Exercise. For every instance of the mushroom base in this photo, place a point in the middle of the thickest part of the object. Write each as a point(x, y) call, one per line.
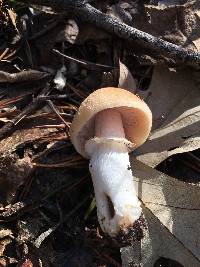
point(133, 233)
point(118, 207)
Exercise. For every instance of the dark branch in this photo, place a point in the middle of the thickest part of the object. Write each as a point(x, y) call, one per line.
point(90, 14)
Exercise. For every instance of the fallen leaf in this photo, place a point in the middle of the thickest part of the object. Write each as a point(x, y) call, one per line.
point(126, 80)
point(172, 212)
point(174, 99)
point(69, 33)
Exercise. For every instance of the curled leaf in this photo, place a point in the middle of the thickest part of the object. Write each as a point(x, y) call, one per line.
point(126, 80)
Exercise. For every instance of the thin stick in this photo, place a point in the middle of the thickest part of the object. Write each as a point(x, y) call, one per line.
point(50, 103)
point(87, 64)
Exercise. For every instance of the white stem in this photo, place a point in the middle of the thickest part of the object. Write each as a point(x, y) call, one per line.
point(117, 204)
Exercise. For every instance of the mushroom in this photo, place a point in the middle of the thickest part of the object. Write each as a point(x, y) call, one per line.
point(110, 123)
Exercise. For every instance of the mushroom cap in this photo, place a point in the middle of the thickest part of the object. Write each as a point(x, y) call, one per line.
point(136, 116)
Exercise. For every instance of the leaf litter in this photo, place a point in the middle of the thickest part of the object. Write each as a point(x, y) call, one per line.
point(46, 193)
point(171, 208)
point(176, 113)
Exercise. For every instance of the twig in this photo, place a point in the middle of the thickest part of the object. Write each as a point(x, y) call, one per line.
point(83, 10)
point(58, 126)
point(68, 164)
point(52, 97)
point(51, 105)
point(23, 76)
point(44, 235)
point(87, 64)
point(4, 53)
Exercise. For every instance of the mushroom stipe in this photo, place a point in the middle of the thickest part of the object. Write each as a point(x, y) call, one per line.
point(110, 123)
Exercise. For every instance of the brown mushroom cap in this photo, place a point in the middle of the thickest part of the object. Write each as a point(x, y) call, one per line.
point(136, 116)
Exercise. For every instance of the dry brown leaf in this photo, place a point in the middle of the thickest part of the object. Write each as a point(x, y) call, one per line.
point(174, 98)
point(171, 208)
point(69, 33)
point(126, 80)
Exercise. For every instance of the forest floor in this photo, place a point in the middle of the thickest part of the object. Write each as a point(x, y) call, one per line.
point(50, 61)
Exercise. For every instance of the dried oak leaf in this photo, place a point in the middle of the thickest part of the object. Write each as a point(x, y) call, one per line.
point(174, 98)
point(172, 212)
point(126, 80)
